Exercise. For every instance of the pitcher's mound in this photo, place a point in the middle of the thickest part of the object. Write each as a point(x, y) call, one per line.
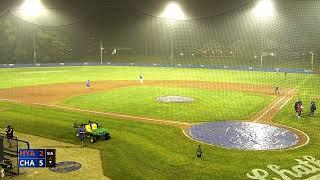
point(175, 99)
point(244, 135)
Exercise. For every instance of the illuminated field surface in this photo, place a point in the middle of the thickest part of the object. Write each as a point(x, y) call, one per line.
point(160, 150)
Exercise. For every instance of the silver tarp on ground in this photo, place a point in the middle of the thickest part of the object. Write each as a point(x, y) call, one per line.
point(244, 135)
point(175, 99)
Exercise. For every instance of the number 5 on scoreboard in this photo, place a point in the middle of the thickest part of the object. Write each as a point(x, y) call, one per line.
point(41, 164)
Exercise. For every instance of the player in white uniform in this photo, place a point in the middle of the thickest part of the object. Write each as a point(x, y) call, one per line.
point(141, 79)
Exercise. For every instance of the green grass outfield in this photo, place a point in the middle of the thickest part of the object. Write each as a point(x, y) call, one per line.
point(146, 151)
point(209, 105)
point(33, 76)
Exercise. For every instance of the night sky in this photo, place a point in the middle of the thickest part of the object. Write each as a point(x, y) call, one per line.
point(79, 8)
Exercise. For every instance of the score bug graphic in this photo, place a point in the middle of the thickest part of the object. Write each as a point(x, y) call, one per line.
point(37, 158)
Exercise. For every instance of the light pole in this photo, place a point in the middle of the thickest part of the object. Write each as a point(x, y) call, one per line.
point(101, 52)
point(312, 55)
point(146, 38)
point(32, 9)
point(34, 48)
point(172, 13)
point(171, 41)
point(264, 11)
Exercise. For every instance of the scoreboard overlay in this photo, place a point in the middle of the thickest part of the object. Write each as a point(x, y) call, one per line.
point(37, 158)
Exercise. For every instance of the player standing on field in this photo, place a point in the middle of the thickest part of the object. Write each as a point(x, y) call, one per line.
point(82, 134)
point(296, 106)
point(313, 108)
point(299, 109)
point(88, 84)
point(9, 131)
point(141, 79)
point(276, 91)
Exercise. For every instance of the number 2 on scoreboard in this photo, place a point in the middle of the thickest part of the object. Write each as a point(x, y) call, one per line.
point(41, 153)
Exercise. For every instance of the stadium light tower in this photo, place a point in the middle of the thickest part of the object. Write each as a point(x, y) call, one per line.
point(264, 11)
point(32, 9)
point(172, 13)
point(312, 62)
point(101, 52)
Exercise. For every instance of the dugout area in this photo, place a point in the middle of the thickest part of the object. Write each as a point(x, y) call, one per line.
point(9, 154)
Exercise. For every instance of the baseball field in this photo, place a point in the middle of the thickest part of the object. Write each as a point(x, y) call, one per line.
point(148, 138)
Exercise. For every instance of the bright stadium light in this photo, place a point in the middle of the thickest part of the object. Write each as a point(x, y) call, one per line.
point(32, 8)
point(264, 9)
point(173, 12)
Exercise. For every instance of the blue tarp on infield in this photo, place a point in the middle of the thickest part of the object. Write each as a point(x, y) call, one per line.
point(244, 135)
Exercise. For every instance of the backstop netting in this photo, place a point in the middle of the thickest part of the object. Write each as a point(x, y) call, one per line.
point(200, 72)
point(279, 34)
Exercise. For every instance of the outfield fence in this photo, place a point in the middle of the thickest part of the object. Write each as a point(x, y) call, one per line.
point(240, 68)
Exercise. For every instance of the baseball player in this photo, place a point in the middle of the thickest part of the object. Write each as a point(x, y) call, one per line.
point(88, 84)
point(296, 106)
point(299, 109)
point(141, 79)
point(9, 131)
point(313, 108)
point(276, 91)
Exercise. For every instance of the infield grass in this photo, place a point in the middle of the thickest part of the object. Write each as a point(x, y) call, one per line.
point(209, 105)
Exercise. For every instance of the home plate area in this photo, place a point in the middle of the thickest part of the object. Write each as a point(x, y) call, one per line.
point(244, 135)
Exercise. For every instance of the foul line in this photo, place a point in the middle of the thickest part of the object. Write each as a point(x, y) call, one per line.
point(160, 121)
point(116, 115)
point(10, 100)
point(287, 101)
point(275, 105)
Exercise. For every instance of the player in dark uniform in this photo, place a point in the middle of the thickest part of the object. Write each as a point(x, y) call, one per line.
point(9, 131)
point(88, 84)
point(313, 108)
point(82, 134)
point(276, 91)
